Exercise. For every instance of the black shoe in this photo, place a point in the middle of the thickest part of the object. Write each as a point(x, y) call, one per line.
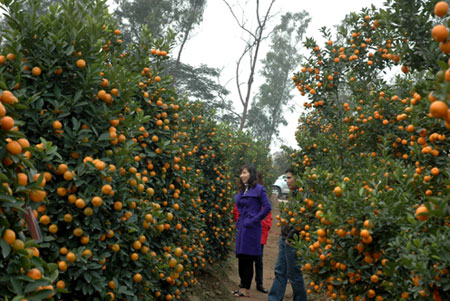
point(262, 289)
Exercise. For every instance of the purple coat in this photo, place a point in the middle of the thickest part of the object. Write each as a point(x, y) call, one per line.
point(253, 208)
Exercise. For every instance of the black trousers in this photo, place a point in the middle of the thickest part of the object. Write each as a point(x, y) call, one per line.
point(245, 266)
point(259, 268)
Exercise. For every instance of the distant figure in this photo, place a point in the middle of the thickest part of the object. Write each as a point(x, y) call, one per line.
point(253, 205)
point(265, 224)
point(287, 266)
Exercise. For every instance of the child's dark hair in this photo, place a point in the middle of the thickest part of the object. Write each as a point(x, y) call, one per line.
point(252, 181)
point(290, 170)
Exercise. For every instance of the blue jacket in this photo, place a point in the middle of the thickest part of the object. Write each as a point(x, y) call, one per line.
point(253, 207)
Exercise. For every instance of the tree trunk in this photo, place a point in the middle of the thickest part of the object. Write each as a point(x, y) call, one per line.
point(185, 38)
point(253, 43)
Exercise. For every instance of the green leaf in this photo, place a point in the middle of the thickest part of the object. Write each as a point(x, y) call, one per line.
point(77, 96)
point(436, 257)
point(3, 85)
point(104, 137)
point(6, 249)
point(69, 50)
point(54, 275)
point(7, 198)
point(16, 285)
point(43, 294)
point(411, 219)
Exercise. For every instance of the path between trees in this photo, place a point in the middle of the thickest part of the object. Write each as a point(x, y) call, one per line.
point(218, 285)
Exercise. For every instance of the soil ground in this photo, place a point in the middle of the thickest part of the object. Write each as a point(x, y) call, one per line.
point(219, 282)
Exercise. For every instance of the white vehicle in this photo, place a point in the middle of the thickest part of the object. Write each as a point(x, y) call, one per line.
point(280, 187)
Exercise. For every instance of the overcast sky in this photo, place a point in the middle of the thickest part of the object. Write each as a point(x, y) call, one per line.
point(217, 42)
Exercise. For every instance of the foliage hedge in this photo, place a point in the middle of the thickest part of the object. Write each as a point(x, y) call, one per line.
point(373, 214)
point(134, 197)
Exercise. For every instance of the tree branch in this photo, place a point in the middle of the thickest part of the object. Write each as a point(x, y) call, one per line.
point(241, 25)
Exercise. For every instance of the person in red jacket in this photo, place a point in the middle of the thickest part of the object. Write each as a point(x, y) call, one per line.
point(266, 224)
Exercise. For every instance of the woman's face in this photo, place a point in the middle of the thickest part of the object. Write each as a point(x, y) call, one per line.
point(245, 175)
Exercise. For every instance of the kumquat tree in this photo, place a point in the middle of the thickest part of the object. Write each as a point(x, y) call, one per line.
point(124, 182)
point(373, 214)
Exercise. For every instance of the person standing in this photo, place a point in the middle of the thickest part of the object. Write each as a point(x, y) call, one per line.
point(287, 266)
point(266, 224)
point(253, 206)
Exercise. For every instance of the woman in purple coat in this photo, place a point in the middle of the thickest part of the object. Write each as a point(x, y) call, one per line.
point(253, 205)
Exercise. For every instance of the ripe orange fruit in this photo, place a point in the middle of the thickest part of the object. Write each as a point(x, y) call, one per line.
point(7, 123)
point(365, 233)
point(115, 248)
point(137, 245)
point(24, 143)
point(104, 82)
point(321, 232)
point(8, 98)
point(81, 63)
point(62, 265)
point(422, 213)
point(9, 236)
point(338, 191)
point(435, 171)
point(178, 252)
point(57, 125)
point(37, 195)
point(172, 262)
point(34, 274)
point(68, 175)
point(2, 110)
point(11, 56)
point(137, 278)
point(445, 47)
point(35, 251)
point(106, 189)
point(14, 147)
point(118, 206)
point(438, 109)
point(405, 69)
point(71, 257)
point(36, 71)
point(441, 8)
point(97, 201)
point(60, 284)
point(80, 203)
point(439, 33)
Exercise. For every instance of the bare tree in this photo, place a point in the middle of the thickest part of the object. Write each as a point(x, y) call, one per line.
point(252, 47)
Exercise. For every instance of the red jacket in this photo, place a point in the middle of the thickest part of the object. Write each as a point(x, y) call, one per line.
point(265, 224)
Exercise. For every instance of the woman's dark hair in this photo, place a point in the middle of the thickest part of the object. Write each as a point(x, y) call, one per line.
point(252, 180)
